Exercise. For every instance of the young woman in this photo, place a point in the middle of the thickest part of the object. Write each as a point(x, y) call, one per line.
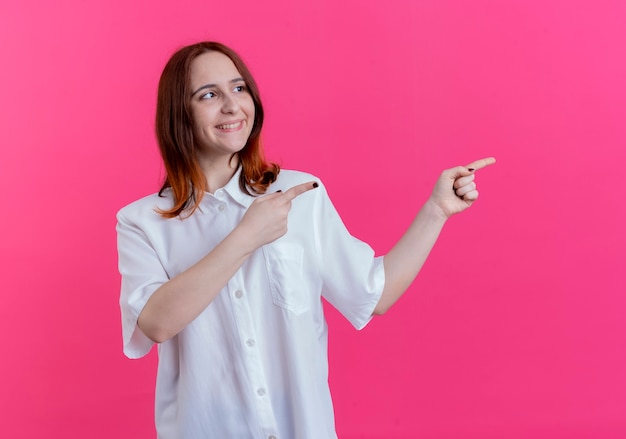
point(226, 266)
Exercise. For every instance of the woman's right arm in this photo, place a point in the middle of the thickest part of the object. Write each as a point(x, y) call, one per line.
point(180, 300)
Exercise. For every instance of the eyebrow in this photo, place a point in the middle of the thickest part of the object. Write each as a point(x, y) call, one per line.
point(205, 86)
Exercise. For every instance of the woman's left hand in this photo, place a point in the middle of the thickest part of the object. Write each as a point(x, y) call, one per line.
point(455, 189)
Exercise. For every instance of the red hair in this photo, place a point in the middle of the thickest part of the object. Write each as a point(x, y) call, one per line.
point(174, 130)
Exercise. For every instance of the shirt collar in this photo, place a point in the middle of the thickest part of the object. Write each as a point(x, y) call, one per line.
point(235, 192)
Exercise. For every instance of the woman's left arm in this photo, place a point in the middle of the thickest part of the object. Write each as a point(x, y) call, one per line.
point(454, 192)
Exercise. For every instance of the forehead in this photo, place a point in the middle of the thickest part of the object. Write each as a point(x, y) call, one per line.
point(212, 68)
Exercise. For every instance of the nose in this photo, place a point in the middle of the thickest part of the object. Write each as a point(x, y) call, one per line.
point(230, 104)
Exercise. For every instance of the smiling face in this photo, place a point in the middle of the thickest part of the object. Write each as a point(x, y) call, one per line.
point(222, 109)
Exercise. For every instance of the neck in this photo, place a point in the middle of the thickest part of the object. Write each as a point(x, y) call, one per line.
point(217, 174)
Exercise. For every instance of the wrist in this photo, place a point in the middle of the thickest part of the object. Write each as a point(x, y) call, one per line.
point(432, 210)
point(243, 240)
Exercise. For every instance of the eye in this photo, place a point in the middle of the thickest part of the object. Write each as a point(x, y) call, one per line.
point(240, 88)
point(208, 95)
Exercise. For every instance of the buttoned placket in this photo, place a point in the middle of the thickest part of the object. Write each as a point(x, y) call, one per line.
point(251, 355)
point(220, 195)
point(248, 339)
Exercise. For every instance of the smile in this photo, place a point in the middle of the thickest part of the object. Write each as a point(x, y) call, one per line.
point(230, 126)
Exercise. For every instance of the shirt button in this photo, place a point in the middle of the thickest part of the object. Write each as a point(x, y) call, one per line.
point(221, 207)
point(250, 342)
point(238, 294)
point(272, 437)
point(219, 193)
point(260, 391)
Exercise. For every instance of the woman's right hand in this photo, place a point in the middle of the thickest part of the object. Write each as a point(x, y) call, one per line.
point(266, 218)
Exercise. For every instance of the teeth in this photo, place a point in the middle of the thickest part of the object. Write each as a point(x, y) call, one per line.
point(229, 126)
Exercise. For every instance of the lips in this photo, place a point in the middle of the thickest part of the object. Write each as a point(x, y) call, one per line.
point(230, 126)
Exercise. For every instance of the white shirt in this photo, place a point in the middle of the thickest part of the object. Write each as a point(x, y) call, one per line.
point(254, 363)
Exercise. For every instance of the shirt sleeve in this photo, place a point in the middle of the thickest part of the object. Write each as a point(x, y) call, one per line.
point(353, 278)
point(142, 273)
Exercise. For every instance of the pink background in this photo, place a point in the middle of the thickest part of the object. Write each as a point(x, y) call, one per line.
point(516, 327)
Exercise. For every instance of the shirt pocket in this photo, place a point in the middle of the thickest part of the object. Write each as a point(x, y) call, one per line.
point(284, 262)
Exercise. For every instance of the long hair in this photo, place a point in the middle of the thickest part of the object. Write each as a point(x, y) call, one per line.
point(174, 131)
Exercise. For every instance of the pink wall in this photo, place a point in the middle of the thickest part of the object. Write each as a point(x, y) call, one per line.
point(514, 330)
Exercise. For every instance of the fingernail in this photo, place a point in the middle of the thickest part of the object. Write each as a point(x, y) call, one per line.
point(315, 184)
point(471, 169)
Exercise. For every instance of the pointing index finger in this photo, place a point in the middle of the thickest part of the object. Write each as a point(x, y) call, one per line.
point(299, 189)
point(482, 163)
